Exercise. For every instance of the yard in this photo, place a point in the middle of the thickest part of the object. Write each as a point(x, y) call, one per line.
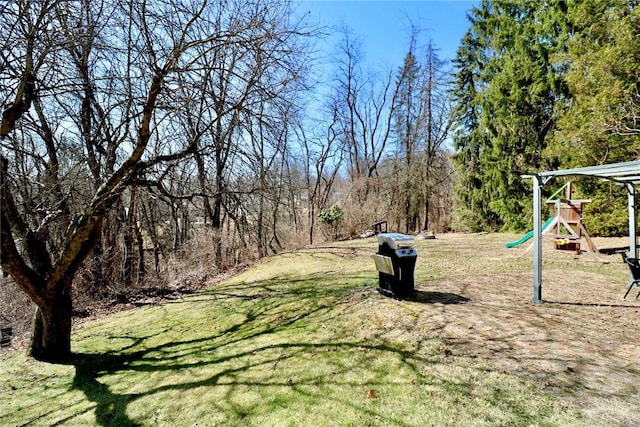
point(304, 338)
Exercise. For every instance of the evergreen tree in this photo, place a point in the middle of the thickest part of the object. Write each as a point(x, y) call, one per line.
point(469, 140)
point(602, 122)
point(507, 86)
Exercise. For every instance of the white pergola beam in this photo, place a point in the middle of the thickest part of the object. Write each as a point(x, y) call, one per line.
point(611, 170)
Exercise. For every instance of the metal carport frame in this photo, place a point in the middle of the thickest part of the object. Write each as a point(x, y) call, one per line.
point(627, 174)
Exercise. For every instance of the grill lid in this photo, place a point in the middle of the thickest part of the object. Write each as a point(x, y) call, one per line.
point(396, 240)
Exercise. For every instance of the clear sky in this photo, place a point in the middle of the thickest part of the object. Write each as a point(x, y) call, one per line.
point(384, 26)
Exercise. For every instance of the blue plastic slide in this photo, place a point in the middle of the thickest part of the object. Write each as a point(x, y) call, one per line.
point(528, 235)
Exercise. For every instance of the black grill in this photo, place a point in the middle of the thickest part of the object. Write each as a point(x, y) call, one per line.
point(395, 262)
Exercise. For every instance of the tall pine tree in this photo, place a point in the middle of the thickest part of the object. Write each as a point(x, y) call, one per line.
point(469, 139)
point(407, 131)
point(507, 87)
point(602, 122)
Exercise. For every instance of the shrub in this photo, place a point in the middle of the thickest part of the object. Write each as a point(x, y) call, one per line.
point(607, 216)
point(332, 218)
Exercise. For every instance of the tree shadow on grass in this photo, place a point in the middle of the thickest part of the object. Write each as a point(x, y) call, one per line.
point(267, 307)
point(111, 407)
point(592, 304)
point(280, 342)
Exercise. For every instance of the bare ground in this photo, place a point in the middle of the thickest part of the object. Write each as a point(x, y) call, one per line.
point(582, 343)
point(584, 348)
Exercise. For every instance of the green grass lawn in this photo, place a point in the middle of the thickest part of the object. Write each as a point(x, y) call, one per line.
point(301, 339)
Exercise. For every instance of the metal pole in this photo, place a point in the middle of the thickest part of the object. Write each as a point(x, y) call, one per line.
point(537, 241)
point(633, 251)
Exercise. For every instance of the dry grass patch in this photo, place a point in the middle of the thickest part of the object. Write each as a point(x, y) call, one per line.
point(581, 344)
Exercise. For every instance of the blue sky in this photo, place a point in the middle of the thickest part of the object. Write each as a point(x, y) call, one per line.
point(384, 26)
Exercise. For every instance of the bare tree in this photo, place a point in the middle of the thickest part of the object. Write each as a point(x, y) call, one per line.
point(88, 104)
point(322, 157)
point(366, 102)
point(437, 126)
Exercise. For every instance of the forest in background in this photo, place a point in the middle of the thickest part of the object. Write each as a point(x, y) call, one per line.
point(542, 86)
point(154, 143)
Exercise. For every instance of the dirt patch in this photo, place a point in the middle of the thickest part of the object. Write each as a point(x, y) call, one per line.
point(581, 343)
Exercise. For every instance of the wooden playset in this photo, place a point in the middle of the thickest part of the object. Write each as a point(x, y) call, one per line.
point(566, 227)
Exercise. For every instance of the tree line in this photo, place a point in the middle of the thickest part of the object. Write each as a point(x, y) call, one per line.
point(143, 135)
point(150, 141)
point(541, 86)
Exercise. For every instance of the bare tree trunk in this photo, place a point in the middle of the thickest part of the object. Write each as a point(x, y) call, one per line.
point(312, 220)
point(135, 229)
point(216, 225)
point(128, 255)
point(133, 257)
point(152, 228)
point(426, 214)
point(51, 338)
